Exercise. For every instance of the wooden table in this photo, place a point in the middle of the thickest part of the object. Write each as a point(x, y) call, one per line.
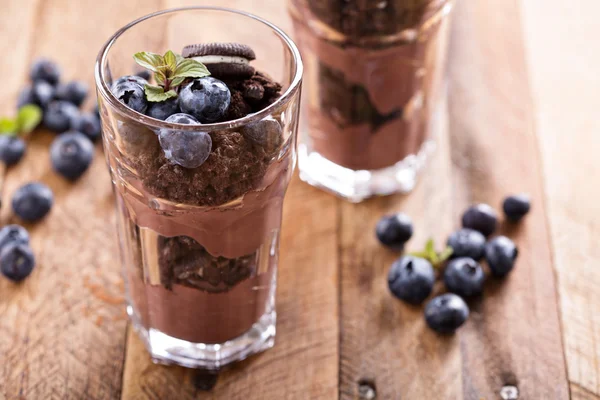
point(524, 93)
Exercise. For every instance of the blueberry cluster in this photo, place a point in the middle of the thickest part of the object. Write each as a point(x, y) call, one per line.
point(411, 278)
point(16, 258)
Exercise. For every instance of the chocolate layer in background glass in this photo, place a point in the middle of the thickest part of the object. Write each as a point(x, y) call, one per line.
point(373, 76)
point(206, 275)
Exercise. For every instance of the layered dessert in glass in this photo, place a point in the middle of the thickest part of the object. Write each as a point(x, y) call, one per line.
point(374, 91)
point(200, 155)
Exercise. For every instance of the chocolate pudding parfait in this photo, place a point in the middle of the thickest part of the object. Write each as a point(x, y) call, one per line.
point(374, 91)
point(201, 146)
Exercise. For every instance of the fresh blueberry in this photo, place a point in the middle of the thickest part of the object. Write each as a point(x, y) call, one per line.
point(16, 261)
point(207, 99)
point(45, 70)
point(131, 94)
point(60, 115)
point(31, 202)
point(411, 279)
point(13, 234)
point(464, 276)
point(446, 313)
point(163, 109)
point(266, 133)
point(74, 92)
point(144, 74)
point(515, 207)
point(467, 243)
point(12, 149)
point(39, 93)
point(71, 154)
point(129, 79)
point(480, 217)
point(394, 230)
point(185, 148)
point(88, 124)
point(501, 254)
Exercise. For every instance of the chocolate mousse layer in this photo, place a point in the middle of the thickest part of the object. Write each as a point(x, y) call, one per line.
point(374, 71)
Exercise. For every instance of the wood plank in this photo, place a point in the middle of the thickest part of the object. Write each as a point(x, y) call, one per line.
point(63, 329)
point(581, 393)
point(565, 87)
point(513, 336)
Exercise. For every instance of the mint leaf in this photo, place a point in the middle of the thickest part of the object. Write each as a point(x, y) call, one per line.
point(28, 118)
point(170, 60)
point(445, 254)
point(160, 78)
point(8, 126)
point(430, 250)
point(189, 68)
point(178, 81)
point(149, 60)
point(157, 93)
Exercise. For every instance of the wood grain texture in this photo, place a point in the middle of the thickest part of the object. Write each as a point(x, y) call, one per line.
point(63, 329)
point(581, 393)
point(566, 89)
point(513, 336)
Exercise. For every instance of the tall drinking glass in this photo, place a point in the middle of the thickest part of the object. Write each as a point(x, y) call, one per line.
point(200, 246)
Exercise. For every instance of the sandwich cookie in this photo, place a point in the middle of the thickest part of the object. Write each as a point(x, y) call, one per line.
point(223, 60)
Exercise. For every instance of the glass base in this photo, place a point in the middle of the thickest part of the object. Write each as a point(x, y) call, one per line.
point(356, 186)
point(168, 350)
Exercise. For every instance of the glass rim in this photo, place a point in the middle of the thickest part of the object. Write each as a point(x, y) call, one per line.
point(104, 89)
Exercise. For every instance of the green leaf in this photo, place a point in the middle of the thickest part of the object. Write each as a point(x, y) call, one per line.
point(445, 254)
point(178, 81)
point(170, 60)
point(28, 118)
point(420, 254)
point(157, 93)
point(149, 60)
point(160, 78)
point(189, 68)
point(430, 250)
point(8, 126)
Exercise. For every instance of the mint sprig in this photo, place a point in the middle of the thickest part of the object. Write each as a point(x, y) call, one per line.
point(170, 71)
point(27, 119)
point(430, 254)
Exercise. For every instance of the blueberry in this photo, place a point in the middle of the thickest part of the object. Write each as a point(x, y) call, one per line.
point(394, 230)
point(59, 116)
point(39, 93)
point(13, 234)
point(266, 133)
point(207, 99)
point(464, 276)
point(446, 313)
point(45, 70)
point(185, 148)
point(144, 74)
point(88, 124)
point(129, 79)
point(411, 279)
point(97, 110)
point(16, 261)
point(480, 217)
point(12, 149)
point(515, 207)
point(163, 109)
point(467, 243)
point(501, 254)
point(131, 94)
point(31, 202)
point(71, 154)
point(74, 92)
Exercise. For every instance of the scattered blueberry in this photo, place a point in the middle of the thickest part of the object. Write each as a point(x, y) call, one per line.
point(59, 115)
point(144, 74)
point(446, 313)
point(464, 276)
point(45, 70)
point(31, 202)
point(501, 254)
point(185, 148)
point(394, 230)
point(163, 109)
point(467, 243)
point(71, 154)
point(515, 207)
point(411, 279)
point(13, 234)
point(39, 93)
point(207, 99)
point(74, 92)
point(131, 93)
point(480, 217)
point(97, 110)
point(16, 261)
point(12, 149)
point(88, 124)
